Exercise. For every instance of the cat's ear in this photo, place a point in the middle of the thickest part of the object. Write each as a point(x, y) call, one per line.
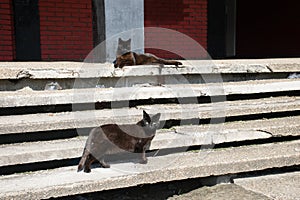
point(146, 117)
point(129, 40)
point(155, 118)
point(120, 40)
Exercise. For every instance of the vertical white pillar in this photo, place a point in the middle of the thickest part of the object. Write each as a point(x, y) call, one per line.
point(124, 19)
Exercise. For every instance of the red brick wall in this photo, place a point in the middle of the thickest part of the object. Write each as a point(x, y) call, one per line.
point(66, 29)
point(6, 31)
point(186, 16)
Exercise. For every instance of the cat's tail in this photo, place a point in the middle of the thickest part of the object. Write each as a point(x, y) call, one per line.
point(171, 62)
point(82, 160)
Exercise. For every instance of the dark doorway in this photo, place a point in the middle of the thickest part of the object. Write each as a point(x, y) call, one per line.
point(221, 28)
point(268, 29)
point(99, 31)
point(27, 30)
point(98, 21)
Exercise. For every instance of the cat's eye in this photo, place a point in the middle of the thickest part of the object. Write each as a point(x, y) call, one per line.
point(153, 123)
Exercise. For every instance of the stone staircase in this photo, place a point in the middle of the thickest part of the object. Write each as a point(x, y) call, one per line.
point(219, 118)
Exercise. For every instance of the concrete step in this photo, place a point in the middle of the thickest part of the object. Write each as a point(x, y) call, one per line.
point(181, 136)
point(170, 166)
point(36, 75)
point(71, 70)
point(220, 192)
point(92, 118)
point(92, 95)
point(276, 186)
point(66, 181)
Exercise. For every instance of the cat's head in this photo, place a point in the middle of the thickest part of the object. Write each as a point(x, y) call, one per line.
point(151, 122)
point(123, 46)
point(124, 59)
point(126, 44)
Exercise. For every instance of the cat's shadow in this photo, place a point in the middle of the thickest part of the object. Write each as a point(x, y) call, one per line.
point(134, 158)
point(122, 158)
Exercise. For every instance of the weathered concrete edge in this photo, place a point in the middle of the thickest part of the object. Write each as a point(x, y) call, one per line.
point(192, 168)
point(86, 119)
point(60, 70)
point(73, 147)
point(275, 186)
point(224, 190)
point(91, 95)
point(183, 136)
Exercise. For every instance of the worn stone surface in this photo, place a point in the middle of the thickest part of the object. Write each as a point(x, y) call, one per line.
point(92, 118)
point(76, 96)
point(181, 136)
point(277, 186)
point(221, 192)
point(178, 166)
point(162, 166)
point(44, 70)
point(71, 148)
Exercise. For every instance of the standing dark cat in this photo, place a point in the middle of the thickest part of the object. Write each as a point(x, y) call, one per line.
point(123, 46)
point(113, 138)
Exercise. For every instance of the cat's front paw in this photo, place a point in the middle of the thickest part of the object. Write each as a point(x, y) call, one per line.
point(87, 170)
point(178, 63)
point(144, 161)
point(106, 165)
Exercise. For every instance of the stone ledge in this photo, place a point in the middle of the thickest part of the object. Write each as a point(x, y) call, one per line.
point(277, 186)
point(182, 136)
point(90, 118)
point(67, 70)
point(92, 95)
point(66, 181)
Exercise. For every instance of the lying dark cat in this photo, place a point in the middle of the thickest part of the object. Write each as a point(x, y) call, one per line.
point(132, 58)
point(113, 138)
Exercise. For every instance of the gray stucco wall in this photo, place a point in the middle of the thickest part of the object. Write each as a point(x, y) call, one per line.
point(124, 19)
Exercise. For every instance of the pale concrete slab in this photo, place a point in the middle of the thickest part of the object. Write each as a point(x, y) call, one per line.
point(31, 152)
point(91, 95)
point(13, 154)
point(278, 186)
point(179, 136)
point(46, 70)
point(221, 192)
point(66, 181)
point(251, 65)
point(93, 118)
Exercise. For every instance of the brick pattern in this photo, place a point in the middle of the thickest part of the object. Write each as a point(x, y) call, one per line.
point(66, 29)
point(185, 16)
point(7, 51)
